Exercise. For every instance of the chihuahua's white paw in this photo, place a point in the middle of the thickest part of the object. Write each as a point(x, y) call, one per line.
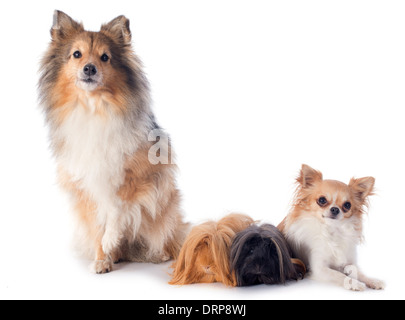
point(354, 285)
point(102, 266)
point(375, 284)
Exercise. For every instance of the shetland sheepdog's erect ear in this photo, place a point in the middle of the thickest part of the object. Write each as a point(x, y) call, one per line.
point(308, 177)
point(64, 26)
point(119, 30)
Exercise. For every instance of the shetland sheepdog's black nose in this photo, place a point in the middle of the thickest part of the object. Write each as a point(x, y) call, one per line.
point(90, 70)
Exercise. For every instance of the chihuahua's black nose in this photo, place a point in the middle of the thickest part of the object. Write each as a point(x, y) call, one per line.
point(90, 70)
point(335, 211)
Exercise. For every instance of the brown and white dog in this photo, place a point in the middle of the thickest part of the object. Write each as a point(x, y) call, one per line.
point(97, 105)
point(325, 226)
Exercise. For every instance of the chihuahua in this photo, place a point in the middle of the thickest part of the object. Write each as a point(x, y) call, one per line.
point(325, 226)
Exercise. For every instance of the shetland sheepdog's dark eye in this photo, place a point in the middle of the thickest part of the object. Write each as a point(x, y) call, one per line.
point(105, 58)
point(347, 206)
point(322, 201)
point(77, 54)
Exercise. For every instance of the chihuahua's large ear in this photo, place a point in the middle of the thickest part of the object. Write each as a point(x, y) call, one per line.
point(362, 187)
point(119, 30)
point(308, 176)
point(63, 26)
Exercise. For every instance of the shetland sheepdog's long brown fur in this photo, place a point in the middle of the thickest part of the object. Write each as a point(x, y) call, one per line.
point(97, 104)
point(204, 257)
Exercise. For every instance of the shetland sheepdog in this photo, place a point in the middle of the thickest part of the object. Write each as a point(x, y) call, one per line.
point(97, 105)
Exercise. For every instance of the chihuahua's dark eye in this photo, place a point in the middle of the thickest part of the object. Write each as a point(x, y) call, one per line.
point(105, 58)
point(77, 54)
point(347, 206)
point(322, 201)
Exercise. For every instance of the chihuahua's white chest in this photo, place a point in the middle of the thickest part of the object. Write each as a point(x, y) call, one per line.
point(341, 240)
point(329, 242)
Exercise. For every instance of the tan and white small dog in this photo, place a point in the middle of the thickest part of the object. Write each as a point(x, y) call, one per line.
point(324, 228)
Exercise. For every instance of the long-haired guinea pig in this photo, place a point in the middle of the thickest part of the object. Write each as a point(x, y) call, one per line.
point(261, 255)
point(204, 257)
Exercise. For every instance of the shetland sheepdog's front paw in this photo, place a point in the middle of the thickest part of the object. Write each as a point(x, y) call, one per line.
point(102, 266)
point(110, 241)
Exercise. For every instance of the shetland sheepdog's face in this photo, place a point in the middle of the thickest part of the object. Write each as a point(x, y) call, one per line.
point(330, 199)
point(89, 63)
point(80, 63)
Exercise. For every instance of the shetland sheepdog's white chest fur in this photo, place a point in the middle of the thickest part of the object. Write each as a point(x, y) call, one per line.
point(329, 242)
point(93, 150)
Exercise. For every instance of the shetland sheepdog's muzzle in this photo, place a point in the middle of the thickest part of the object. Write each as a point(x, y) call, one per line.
point(89, 78)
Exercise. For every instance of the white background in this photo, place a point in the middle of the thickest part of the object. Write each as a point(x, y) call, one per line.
point(248, 90)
